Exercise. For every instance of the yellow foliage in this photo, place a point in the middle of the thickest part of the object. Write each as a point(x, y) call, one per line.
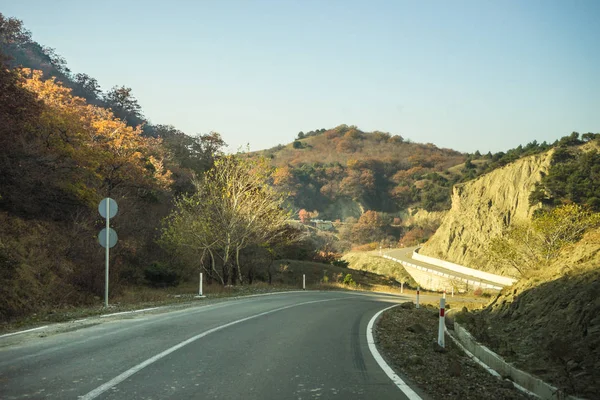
point(107, 153)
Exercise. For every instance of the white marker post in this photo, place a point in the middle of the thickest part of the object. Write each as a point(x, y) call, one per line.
point(441, 341)
point(452, 290)
point(303, 282)
point(200, 289)
point(401, 287)
point(418, 291)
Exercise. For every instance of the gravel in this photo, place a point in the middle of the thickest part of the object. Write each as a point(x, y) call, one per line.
point(407, 338)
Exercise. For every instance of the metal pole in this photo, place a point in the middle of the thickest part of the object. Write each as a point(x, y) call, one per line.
point(107, 252)
point(200, 290)
point(441, 341)
point(303, 282)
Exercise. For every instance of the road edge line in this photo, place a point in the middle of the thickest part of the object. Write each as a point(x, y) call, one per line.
point(25, 331)
point(403, 386)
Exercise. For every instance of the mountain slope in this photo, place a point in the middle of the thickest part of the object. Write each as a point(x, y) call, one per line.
point(484, 208)
point(344, 171)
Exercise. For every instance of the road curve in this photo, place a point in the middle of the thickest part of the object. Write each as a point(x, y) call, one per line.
point(309, 345)
point(405, 255)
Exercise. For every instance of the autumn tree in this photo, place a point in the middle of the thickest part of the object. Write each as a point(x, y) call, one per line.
point(304, 216)
point(369, 228)
point(232, 209)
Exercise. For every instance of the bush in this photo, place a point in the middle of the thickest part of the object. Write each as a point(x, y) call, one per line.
point(160, 275)
point(348, 280)
point(340, 263)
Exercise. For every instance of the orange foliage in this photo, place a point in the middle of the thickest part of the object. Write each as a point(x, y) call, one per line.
point(304, 216)
point(107, 151)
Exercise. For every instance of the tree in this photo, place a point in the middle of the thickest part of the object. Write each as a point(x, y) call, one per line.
point(528, 247)
point(304, 216)
point(124, 105)
point(86, 86)
point(369, 228)
point(233, 208)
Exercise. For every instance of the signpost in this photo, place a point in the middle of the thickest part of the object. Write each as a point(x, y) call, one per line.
point(108, 237)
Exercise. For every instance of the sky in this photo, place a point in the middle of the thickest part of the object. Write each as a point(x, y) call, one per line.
point(468, 75)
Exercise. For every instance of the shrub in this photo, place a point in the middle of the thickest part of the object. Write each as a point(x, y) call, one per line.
point(160, 275)
point(348, 280)
point(340, 263)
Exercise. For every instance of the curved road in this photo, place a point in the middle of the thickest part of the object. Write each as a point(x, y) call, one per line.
point(405, 255)
point(309, 345)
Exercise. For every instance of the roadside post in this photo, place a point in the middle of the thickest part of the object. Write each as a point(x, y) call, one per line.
point(441, 324)
point(401, 287)
point(418, 291)
point(107, 237)
point(303, 282)
point(452, 290)
point(200, 294)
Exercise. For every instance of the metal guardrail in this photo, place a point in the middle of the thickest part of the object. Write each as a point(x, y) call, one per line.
point(449, 276)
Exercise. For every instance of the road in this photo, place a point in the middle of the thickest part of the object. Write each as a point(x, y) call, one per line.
point(308, 345)
point(406, 255)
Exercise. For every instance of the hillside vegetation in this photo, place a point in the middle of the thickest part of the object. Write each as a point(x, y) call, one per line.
point(65, 144)
point(342, 172)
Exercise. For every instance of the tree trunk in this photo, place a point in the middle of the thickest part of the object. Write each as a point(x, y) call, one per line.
point(237, 263)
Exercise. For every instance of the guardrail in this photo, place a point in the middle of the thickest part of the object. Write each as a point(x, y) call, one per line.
point(473, 282)
point(498, 279)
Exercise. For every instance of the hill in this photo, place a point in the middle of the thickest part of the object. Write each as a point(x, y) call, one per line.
point(342, 172)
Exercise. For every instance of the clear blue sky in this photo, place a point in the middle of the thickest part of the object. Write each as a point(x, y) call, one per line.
point(470, 75)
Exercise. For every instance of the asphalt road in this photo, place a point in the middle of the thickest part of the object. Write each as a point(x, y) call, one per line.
point(406, 255)
point(309, 345)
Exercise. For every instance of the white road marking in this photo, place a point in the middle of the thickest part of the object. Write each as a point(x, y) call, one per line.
point(408, 392)
point(28, 330)
point(128, 312)
point(118, 379)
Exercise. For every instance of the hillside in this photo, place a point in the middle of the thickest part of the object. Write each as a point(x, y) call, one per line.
point(484, 208)
point(535, 219)
point(342, 172)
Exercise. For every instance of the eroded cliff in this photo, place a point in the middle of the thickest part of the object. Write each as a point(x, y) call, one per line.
point(482, 209)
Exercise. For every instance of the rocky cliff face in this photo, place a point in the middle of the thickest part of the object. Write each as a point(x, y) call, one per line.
point(482, 209)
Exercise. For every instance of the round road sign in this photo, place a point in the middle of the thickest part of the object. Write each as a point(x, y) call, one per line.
point(112, 238)
point(112, 210)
